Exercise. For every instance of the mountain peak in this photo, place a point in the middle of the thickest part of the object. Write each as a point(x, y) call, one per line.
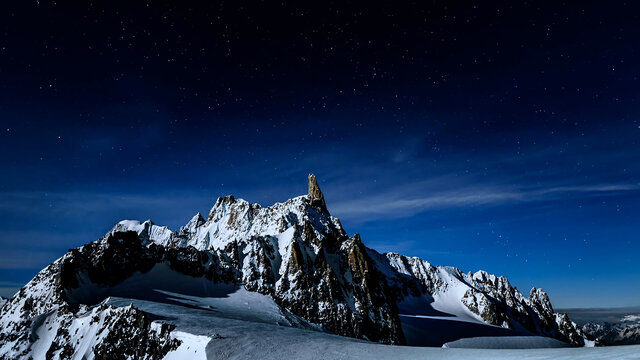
point(315, 194)
point(193, 224)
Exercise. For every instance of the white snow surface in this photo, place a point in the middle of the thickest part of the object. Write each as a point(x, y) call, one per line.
point(242, 338)
point(231, 219)
point(449, 301)
point(631, 318)
point(193, 347)
point(506, 342)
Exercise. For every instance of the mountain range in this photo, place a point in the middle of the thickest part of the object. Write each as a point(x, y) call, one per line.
point(291, 264)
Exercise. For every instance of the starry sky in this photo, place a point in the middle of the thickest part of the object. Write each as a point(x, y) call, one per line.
point(501, 136)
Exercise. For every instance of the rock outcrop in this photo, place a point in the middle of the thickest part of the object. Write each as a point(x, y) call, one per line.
point(624, 332)
point(42, 317)
point(315, 194)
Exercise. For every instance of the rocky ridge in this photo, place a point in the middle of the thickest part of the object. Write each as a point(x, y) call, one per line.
point(624, 332)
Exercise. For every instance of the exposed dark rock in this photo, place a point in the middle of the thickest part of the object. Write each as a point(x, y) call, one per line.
point(315, 194)
point(625, 332)
point(130, 337)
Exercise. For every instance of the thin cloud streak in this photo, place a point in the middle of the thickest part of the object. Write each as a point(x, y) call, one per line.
point(20, 259)
point(400, 203)
point(396, 203)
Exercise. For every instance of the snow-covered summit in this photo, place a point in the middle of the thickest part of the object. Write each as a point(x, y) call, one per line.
point(231, 219)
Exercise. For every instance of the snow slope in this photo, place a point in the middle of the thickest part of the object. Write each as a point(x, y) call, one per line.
point(236, 338)
point(506, 342)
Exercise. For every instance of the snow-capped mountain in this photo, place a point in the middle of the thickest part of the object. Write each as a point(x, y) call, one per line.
point(624, 332)
point(293, 256)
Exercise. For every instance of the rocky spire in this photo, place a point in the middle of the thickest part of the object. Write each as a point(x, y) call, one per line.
point(315, 194)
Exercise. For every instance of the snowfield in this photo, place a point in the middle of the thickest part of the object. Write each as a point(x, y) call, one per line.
point(246, 325)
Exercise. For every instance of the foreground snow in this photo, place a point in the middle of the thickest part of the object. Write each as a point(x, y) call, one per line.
point(506, 342)
point(192, 347)
point(244, 325)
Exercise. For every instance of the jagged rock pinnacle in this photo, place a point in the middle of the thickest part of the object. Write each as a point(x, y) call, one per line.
point(315, 194)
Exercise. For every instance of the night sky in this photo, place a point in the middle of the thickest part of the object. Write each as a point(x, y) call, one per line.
point(487, 135)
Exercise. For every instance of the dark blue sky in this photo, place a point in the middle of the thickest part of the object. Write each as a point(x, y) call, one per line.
point(497, 136)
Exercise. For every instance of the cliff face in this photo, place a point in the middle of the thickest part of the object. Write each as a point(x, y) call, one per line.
point(294, 252)
point(315, 194)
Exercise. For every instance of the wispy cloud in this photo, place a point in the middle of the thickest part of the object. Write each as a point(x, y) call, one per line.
point(406, 200)
point(27, 259)
point(601, 188)
point(359, 200)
